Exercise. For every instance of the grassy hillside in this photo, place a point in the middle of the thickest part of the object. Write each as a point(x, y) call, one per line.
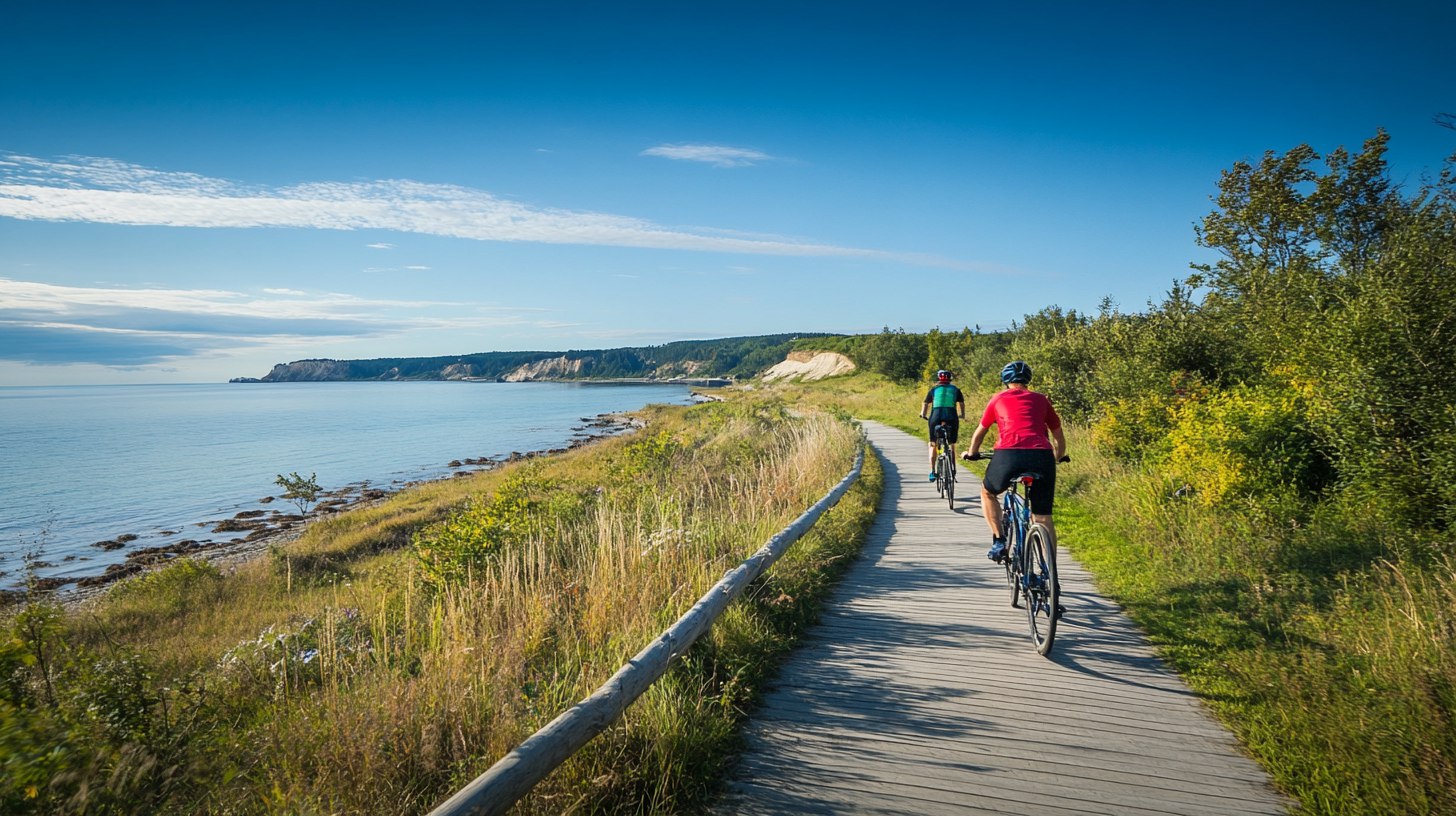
point(393, 653)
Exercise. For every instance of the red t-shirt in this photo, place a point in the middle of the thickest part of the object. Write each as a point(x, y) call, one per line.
point(1024, 418)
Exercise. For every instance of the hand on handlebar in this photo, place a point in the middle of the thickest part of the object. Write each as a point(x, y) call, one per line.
point(1065, 459)
point(972, 457)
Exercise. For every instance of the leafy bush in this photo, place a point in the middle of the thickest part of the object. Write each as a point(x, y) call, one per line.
point(449, 550)
point(1131, 428)
point(171, 588)
point(1245, 443)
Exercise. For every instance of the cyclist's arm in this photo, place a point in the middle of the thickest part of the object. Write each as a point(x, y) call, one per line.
point(925, 406)
point(1059, 443)
point(976, 439)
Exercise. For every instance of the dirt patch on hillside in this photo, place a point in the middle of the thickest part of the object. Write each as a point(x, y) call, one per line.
point(810, 365)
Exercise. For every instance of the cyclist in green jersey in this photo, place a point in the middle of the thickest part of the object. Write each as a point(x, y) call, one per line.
point(943, 403)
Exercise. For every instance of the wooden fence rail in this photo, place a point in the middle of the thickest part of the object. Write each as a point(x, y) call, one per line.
point(517, 772)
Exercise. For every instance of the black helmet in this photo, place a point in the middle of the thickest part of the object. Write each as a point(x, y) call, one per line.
point(1016, 372)
point(942, 375)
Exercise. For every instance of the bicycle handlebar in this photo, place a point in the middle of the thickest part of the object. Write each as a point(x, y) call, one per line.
point(978, 456)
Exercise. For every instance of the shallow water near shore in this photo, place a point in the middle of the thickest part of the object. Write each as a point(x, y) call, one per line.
point(164, 463)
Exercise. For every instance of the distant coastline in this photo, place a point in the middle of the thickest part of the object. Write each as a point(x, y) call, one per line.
point(690, 382)
point(702, 363)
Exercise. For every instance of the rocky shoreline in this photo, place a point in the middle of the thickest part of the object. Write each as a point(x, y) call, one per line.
point(261, 529)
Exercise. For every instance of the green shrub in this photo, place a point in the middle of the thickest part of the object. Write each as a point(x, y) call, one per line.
point(1246, 442)
point(171, 588)
point(447, 551)
point(1133, 428)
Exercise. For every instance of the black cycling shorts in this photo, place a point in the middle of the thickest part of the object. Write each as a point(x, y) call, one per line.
point(948, 416)
point(1008, 463)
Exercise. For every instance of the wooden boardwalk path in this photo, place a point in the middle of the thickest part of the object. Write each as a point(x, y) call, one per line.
point(920, 691)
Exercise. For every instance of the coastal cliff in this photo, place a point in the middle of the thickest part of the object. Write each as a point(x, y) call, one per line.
point(308, 371)
point(555, 368)
point(809, 366)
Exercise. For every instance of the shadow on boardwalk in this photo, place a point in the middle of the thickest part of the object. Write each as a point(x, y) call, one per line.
point(919, 692)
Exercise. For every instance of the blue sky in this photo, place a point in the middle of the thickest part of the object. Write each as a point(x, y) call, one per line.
point(191, 192)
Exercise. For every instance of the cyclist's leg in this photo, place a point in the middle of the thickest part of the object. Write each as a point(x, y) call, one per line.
point(930, 427)
point(997, 480)
point(991, 509)
point(1043, 492)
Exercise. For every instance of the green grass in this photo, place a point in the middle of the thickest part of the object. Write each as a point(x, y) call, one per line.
point(1342, 685)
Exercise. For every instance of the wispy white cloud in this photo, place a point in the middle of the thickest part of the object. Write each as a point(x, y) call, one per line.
point(33, 297)
point(716, 155)
point(417, 268)
point(42, 323)
point(113, 192)
point(380, 245)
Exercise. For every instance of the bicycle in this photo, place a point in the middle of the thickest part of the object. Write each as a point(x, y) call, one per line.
point(945, 464)
point(1030, 563)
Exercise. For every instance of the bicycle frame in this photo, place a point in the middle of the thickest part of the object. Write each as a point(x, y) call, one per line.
point(942, 438)
point(1015, 520)
point(945, 464)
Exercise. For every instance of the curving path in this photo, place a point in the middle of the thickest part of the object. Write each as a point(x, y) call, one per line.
point(920, 693)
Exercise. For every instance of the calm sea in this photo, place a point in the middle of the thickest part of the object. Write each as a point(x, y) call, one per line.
point(83, 464)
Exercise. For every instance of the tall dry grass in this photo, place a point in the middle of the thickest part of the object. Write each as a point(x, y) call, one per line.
point(346, 675)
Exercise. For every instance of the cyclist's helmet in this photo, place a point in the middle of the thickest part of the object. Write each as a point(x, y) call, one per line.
point(1016, 372)
point(942, 376)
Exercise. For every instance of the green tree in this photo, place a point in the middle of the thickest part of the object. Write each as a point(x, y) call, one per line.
point(302, 492)
point(1344, 290)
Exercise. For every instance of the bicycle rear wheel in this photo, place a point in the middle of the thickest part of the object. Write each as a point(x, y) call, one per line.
point(939, 476)
point(1012, 532)
point(1043, 594)
point(948, 471)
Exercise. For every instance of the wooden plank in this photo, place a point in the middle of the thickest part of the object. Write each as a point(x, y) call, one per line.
point(920, 693)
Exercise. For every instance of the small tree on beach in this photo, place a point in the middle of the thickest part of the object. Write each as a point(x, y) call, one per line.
point(302, 492)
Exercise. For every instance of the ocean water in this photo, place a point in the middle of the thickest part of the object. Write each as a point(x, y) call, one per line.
point(82, 464)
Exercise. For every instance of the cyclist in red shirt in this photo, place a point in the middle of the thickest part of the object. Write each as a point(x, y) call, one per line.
point(1030, 441)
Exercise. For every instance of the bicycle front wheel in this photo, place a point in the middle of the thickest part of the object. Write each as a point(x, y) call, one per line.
point(1043, 594)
